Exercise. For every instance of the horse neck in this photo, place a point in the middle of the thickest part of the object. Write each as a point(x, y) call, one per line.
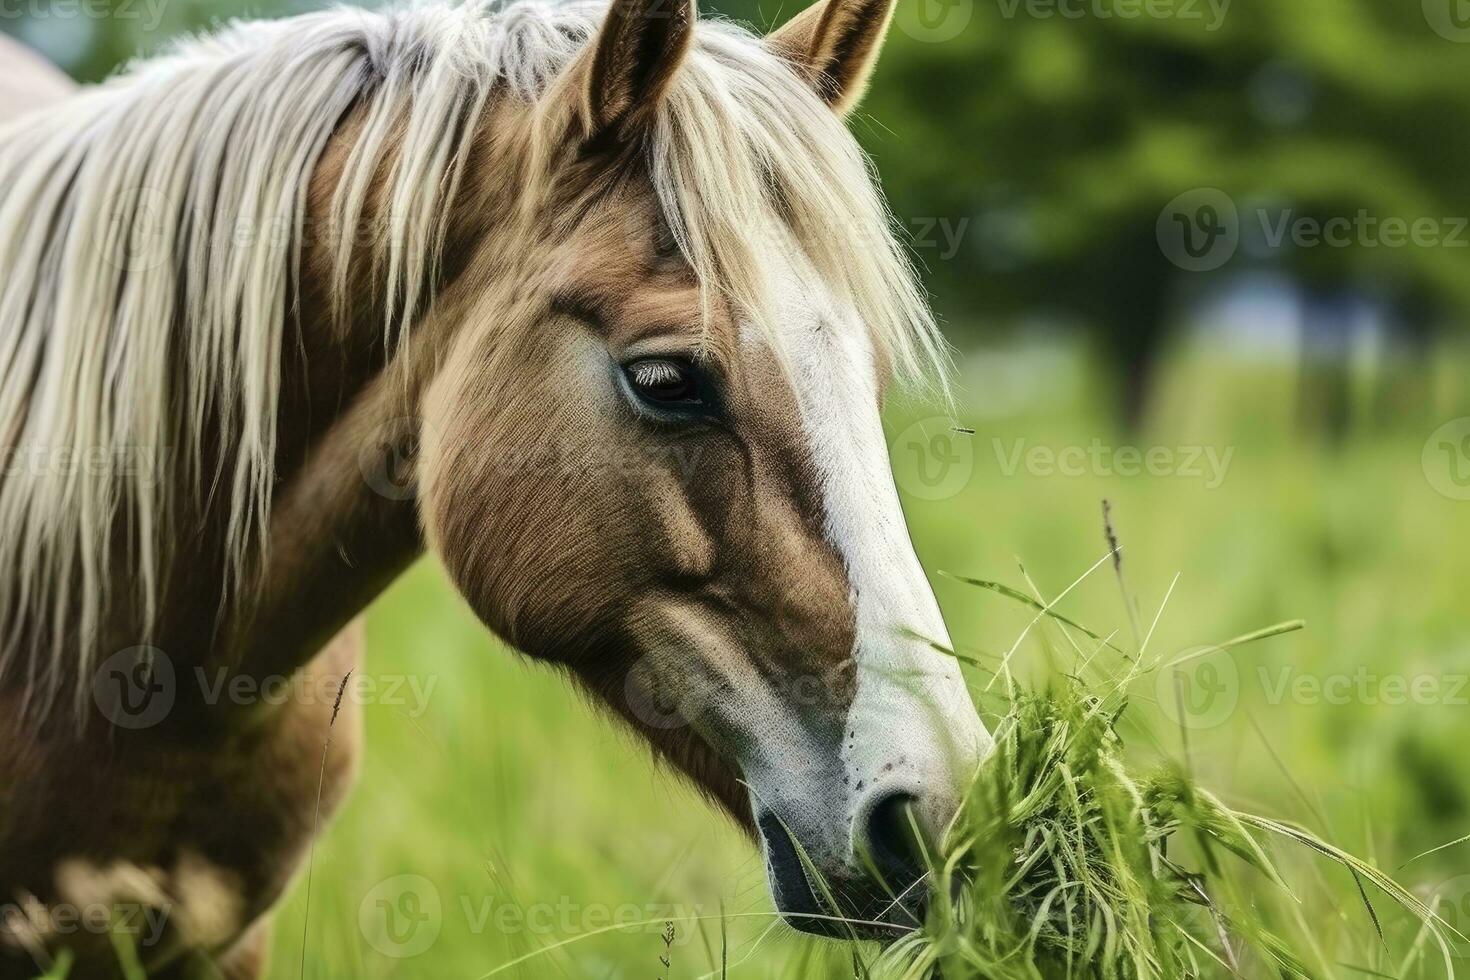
point(337, 534)
point(344, 523)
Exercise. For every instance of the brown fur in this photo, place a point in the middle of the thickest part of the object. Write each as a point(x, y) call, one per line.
point(579, 532)
point(722, 534)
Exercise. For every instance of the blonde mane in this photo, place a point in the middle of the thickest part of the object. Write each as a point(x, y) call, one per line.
point(151, 232)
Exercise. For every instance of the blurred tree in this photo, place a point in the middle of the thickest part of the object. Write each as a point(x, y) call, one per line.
point(1063, 130)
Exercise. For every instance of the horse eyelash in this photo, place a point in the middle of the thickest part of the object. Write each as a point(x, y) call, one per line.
point(650, 373)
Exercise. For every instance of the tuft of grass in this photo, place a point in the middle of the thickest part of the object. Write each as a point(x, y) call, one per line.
point(1064, 861)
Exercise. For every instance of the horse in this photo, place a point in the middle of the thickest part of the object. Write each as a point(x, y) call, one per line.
point(596, 302)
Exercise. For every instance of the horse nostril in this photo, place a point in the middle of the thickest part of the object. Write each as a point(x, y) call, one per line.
point(893, 839)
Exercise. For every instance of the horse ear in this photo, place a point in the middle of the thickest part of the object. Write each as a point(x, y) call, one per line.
point(635, 54)
point(834, 45)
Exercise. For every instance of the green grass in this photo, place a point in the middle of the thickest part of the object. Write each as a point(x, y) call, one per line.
point(1063, 862)
point(535, 821)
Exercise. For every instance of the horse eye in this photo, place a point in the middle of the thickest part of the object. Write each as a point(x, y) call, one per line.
point(665, 382)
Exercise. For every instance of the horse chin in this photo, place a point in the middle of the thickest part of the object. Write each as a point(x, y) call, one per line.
point(879, 919)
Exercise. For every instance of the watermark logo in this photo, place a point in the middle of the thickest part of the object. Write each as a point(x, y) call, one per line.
point(671, 695)
point(135, 688)
point(388, 459)
point(655, 702)
point(934, 21)
point(1199, 230)
point(1446, 459)
point(1451, 901)
point(401, 916)
point(932, 459)
point(1198, 688)
point(133, 233)
point(1450, 19)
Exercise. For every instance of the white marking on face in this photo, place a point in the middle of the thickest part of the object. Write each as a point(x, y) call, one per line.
point(912, 727)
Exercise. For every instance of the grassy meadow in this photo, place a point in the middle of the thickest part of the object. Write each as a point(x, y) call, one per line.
point(499, 817)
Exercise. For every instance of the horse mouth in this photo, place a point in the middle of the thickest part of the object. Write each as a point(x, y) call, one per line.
point(838, 907)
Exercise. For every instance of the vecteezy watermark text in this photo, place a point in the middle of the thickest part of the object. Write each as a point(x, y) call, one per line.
point(1209, 464)
point(1202, 229)
point(1201, 689)
point(149, 13)
point(1211, 13)
point(138, 687)
point(147, 463)
point(30, 917)
point(408, 691)
point(402, 916)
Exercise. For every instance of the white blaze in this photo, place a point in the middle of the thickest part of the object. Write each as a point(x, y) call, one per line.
point(912, 727)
